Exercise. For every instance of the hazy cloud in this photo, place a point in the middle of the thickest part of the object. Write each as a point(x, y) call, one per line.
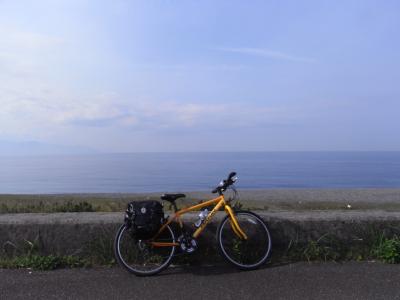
point(30, 111)
point(22, 51)
point(272, 54)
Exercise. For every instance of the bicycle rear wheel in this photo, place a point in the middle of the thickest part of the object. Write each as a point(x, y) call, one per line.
point(140, 257)
point(245, 254)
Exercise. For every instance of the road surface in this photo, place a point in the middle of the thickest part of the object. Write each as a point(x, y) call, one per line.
point(354, 280)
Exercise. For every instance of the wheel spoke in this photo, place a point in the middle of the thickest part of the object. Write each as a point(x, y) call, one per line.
point(245, 253)
point(141, 257)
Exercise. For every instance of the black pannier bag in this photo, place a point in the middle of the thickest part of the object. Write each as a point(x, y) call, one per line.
point(144, 218)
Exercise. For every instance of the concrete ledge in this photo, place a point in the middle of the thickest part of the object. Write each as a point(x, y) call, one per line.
point(77, 233)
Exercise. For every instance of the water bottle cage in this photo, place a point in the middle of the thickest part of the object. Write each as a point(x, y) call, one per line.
point(202, 216)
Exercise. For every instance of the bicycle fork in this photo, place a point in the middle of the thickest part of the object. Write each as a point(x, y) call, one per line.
point(234, 223)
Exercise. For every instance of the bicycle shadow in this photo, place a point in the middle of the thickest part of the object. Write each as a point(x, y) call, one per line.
point(215, 269)
point(202, 270)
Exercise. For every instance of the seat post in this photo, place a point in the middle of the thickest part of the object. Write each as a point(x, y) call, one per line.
point(174, 205)
point(171, 199)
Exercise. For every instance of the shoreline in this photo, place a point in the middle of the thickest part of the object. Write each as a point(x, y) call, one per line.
point(270, 200)
point(252, 194)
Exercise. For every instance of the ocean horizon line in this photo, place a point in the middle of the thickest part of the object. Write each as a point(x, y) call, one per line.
point(196, 152)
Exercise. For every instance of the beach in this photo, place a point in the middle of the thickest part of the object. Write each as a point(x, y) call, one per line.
point(266, 199)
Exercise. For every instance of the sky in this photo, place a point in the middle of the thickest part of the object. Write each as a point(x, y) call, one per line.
point(155, 76)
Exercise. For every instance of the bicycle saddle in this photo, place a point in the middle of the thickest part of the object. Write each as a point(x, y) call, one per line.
point(172, 197)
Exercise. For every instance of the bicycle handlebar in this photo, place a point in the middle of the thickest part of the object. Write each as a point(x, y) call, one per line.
point(225, 183)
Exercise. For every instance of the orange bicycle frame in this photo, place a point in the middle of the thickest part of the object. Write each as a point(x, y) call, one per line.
point(218, 202)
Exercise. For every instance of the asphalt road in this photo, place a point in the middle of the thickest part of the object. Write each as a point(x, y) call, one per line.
point(294, 281)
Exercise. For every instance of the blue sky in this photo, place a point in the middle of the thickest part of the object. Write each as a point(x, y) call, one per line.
point(127, 76)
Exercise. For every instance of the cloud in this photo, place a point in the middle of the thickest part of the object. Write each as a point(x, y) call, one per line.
point(23, 52)
point(39, 100)
point(144, 115)
point(47, 112)
point(27, 40)
point(263, 52)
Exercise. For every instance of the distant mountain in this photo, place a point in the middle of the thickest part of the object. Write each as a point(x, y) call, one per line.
point(24, 148)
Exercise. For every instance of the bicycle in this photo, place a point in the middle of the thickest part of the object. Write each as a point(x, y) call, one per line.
point(243, 237)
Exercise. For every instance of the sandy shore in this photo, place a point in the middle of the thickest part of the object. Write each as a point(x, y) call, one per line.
point(272, 199)
point(316, 195)
point(298, 199)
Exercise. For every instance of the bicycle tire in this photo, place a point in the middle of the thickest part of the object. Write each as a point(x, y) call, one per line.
point(134, 246)
point(232, 247)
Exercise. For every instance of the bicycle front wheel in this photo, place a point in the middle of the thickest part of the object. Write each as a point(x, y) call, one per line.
point(141, 257)
point(247, 253)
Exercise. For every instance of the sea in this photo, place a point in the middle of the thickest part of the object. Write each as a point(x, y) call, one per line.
point(183, 172)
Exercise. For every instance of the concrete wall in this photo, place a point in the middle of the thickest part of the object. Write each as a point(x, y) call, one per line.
point(77, 233)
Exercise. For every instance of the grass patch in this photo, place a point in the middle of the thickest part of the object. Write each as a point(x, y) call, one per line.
point(59, 203)
point(387, 249)
point(76, 203)
point(84, 203)
point(376, 245)
point(42, 263)
point(323, 249)
point(30, 254)
point(117, 203)
point(99, 252)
